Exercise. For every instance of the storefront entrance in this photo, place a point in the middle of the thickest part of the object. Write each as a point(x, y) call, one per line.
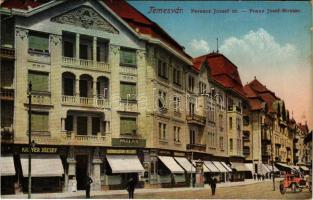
point(81, 171)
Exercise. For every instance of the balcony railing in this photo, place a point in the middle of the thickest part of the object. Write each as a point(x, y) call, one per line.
point(85, 101)
point(196, 147)
point(8, 53)
point(196, 119)
point(128, 70)
point(85, 64)
point(7, 94)
point(128, 106)
point(71, 138)
point(234, 108)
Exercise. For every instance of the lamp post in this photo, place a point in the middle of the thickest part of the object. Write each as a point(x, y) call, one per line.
point(191, 179)
point(29, 138)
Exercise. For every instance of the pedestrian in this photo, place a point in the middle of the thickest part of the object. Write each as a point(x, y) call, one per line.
point(88, 183)
point(254, 176)
point(212, 183)
point(263, 177)
point(259, 177)
point(131, 184)
point(74, 185)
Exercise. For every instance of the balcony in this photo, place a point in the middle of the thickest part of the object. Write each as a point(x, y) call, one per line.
point(85, 64)
point(70, 138)
point(7, 94)
point(85, 101)
point(128, 106)
point(8, 53)
point(196, 119)
point(234, 108)
point(128, 70)
point(196, 147)
point(265, 136)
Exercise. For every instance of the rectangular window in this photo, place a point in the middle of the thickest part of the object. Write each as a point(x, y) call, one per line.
point(176, 134)
point(191, 83)
point(82, 125)
point(69, 123)
point(39, 80)
point(202, 87)
point(231, 144)
point(95, 125)
point(128, 57)
point(102, 51)
point(176, 101)
point(221, 142)
point(162, 99)
point(192, 135)
point(246, 120)
point(191, 108)
point(176, 76)
point(128, 126)
point(38, 42)
point(40, 121)
point(221, 122)
point(162, 131)
point(162, 69)
point(128, 91)
point(230, 123)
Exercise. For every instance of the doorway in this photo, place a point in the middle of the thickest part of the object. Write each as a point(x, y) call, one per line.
point(81, 171)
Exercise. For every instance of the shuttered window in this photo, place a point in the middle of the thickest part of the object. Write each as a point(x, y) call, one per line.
point(38, 42)
point(40, 121)
point(128, 91)
point(128, 126)
point(39, 80)
point(128, 57)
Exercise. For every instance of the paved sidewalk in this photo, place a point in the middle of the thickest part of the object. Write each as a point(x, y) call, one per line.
point(110, 193)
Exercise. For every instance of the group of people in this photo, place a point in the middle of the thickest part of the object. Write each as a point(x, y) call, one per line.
point(259, 177)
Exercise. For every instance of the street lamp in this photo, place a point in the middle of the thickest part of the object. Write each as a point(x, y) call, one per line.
point(29, 138)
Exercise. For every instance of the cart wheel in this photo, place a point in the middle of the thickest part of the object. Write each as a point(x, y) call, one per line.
point(282, 189)
point(293, 187)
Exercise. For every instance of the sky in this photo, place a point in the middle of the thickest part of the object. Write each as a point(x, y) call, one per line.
point(269, 40)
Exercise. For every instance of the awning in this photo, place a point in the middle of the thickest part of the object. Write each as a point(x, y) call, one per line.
point(219, 166)
point(7, 166)
point(270, 168)
point(211, 166)
point(284, 165)
point(240, 167)
point(304, 168)
point(171, 164)
point(43, 166)
point(226, 166)
point(205, 168)
point(250, 167)
point(188, 167)
point(125, 164)
point(265, 169)
point(296, 167)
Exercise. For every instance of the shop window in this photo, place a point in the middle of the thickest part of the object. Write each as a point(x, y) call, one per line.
point(82, 125)
point(128, 91)
point(95, 125)
point(38, 42)
point(128, 126)
point(39, 80)
point(128, 57)
point(40, 122)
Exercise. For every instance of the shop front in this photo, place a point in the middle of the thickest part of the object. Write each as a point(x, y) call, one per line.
point(169, 172)
point(239, 170)
point(8, 175)
point(222, 169)
point(47, 170)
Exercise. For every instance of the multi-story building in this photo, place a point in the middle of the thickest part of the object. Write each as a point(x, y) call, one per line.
point(299, 150)
point(112, 94)
point(307, 157)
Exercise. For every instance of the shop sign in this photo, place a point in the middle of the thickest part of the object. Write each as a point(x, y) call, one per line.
point(167, 153)
point(182, 154)
point(128, 142)
point(121, 151)
point(39, 150)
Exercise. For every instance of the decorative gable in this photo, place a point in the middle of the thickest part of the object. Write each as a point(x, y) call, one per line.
point(87, 18)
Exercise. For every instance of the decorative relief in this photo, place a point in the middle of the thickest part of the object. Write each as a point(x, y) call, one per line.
point(55, 39)
point(115, 49)
point(141, 53)
point(22, 33)
point(85, 17)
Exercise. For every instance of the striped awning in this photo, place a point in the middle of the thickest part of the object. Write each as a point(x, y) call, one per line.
point(211, 166)
point(226, 166)
point(270, 168)
point(240, 167)
point(219, 166)
point(304, 168)
point(205, 168)
point(171, 164)
point(184, 163)
point(7, 166)
point(43, 166)
point(125, 164)
point(265, 169)
point(250, 167)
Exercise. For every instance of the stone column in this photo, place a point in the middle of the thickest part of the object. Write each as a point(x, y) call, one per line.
point(77, 87)
point(94, 51)
point(63, 124)
point(96, 174)
point(77, 46)
point(94, 88)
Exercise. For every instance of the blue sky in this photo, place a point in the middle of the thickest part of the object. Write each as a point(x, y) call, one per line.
point(274, 47)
